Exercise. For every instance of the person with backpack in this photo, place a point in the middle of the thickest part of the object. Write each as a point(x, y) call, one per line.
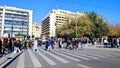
point(49, 45)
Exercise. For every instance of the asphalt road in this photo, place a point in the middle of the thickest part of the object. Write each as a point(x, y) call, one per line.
point(86, 58)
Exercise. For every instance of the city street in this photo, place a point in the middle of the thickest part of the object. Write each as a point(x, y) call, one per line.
point(86, 58)
point(59, 34)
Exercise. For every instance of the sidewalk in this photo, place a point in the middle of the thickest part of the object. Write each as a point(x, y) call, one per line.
point(102, 48)
point(5, 60)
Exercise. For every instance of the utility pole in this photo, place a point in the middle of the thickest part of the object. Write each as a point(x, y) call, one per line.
point(12, 31)
point(67, 28)
point(12, 28)
point(22, 28)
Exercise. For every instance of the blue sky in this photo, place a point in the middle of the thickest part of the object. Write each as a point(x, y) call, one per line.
point(109, 9)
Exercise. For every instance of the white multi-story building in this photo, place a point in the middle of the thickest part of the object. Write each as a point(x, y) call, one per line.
point(15, 21)
point(36, 30)
point(55, 19)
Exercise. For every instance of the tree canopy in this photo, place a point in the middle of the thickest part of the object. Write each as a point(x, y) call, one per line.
point(99, 25)
point(89, 24)
point(114, 30)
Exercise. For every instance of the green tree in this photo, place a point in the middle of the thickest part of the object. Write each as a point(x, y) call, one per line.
point(81, 26)
point(114, 30)
point(84, 26)
point(19, 34)
point(89, 24)
point(99, 26)
point(58, 34)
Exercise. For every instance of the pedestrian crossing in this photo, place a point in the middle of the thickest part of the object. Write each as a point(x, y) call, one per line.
point(76, 56)
point(35, 62)
point(62, 56)
point(48, 60)
point(72, 58)
point(8, 58)
point(58, 58)
point(82, 55)
point(83, 66)
point(20, 64)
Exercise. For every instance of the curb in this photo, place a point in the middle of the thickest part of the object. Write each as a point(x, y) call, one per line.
point(10, 59)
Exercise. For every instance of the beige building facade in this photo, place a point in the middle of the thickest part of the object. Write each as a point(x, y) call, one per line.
point(36, 30)
point(55, 19)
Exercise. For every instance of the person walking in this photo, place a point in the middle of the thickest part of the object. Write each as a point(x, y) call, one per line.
point(59, 43)
point(105, 42)
point(49, 45)
point(35, 47)
point(82, 43)
point(10, 45)
point(52, 44)
point(0, 47)
point(16, 46)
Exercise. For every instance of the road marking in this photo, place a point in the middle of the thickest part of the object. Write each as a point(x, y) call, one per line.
point(20, 63)
point(72, 58)
point(35, 62)
point(74, 55)
point(96, 55)
point(58, 58)
point(83, 66)
point(83, 55)
point(89, 56)
point(104, 56)
point(8, 60)
point(4, 58)
point(49, 61)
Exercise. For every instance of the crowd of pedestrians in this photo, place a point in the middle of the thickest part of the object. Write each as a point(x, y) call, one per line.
point(79, 43)
point(12, 45)
point(9, 45)
point(62, 43)
point(111, 42)
point(5, 46)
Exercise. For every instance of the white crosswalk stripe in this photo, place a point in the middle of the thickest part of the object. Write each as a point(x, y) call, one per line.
point(35, 62)
point(74, 55)
point(20, 63)
point(96, 55)
point(72, 58)
point(83, 55)
point(83, 66)
point(49, 61)
point(11, 56)
point(108, 54)
point(55, 57)
point(4, 58)
point(58, 58)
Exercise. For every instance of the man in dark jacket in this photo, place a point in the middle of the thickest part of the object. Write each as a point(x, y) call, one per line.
point(0, 46)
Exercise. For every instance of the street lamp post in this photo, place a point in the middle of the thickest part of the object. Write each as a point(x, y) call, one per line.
point(12, 33)
point(76, 27)
point(22, 28)
point(76, 21)
point(67, 29)
point(12, 28)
